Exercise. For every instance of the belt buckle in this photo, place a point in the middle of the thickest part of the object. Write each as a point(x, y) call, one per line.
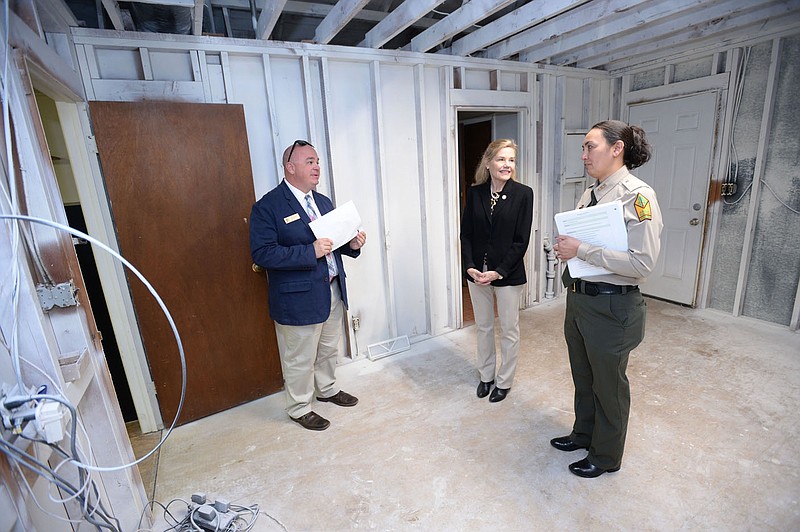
point(574, 287)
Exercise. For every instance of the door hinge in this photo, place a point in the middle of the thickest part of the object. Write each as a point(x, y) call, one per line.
point(61, 295)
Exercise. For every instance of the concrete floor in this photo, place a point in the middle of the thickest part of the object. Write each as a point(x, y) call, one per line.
point(713, 441)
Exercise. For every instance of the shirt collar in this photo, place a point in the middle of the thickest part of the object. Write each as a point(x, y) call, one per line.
point(610, 182)
point(301, 197)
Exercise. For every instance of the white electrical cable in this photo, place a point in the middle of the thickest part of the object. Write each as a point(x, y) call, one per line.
point(13, 347)
point(161, 304)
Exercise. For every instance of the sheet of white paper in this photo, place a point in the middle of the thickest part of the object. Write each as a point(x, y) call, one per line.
point(340, 225)
point(601, 225)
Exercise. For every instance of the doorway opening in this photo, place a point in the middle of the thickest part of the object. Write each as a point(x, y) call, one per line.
point(476, 129)
point(94, 290)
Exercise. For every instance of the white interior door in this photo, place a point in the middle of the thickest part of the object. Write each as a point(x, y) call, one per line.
point(681, 132)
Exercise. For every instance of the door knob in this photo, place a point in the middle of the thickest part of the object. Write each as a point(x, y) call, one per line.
point(257, 268)
point(694, 221)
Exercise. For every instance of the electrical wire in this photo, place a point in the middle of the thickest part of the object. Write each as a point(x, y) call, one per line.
point(161, 304)
point(73, 458)
point(82, 494)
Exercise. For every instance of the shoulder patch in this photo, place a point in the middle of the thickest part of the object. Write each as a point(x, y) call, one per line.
point(642, 206)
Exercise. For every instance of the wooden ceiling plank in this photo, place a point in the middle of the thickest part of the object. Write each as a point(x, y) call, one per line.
point(518, 20)
point(560, 31)
point(462, 18)
point(112, 8)
point(176, 3)
point(402, 17)
point(308, 9)
point(658, 30)
point(268, 18)
point(197, 18)
point(337, 18)
point(773, 17)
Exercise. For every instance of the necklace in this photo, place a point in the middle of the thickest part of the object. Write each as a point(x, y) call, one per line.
point(493, 200)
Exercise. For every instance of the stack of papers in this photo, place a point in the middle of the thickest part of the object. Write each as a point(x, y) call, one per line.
point(601, 225)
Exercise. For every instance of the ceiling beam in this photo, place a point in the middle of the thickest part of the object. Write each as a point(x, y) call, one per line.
point(566, 28)
point(112, 8)
point(518, 20)
point(309, 9)
point(462, 18)
point(713, 23)
point(176, 3)
point(337, 18)
point(402, 17)
point(197, 18)
point(653, 24)
point(715, 35)
point(690, 50)
point(268, 18)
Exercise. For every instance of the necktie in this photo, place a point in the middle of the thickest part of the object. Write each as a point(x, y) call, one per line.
point(593, 201)
point(329, 258)
point(566, 278)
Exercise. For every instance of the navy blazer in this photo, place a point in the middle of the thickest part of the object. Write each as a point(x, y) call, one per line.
point(502, 238)
point(282, 243)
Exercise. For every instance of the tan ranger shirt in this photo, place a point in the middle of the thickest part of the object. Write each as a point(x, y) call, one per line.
point(643, 220)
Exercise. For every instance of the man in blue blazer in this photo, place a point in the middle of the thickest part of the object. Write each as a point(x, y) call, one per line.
point(307, 290)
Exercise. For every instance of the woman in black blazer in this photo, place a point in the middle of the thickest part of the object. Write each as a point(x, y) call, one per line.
point(495, 232)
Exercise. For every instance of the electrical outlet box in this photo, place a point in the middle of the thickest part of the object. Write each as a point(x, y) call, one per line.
point(49, 421)
point(207, 517)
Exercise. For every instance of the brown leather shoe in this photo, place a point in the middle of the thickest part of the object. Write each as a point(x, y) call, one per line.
point(341, 399)
point(312, 421)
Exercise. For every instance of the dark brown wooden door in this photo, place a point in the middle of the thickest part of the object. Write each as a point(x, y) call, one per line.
point(180, 184)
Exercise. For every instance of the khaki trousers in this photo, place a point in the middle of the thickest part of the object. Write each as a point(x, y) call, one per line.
point(308, 358)
point(483, 297)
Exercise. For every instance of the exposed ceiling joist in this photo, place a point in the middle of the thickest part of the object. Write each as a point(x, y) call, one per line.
point(644, 34)
point(342, 13)
point(560, 33)
point(114, 14)
point(197, 18)
point(710, 34)
point(459, 20)
point(518, 20)
point(599, 34)
point(268, 18)
point(402, 17)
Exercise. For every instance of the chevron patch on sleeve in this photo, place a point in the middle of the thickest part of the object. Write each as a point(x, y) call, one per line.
point(642, 205)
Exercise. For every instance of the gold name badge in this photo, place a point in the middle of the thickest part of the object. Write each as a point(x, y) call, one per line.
point(290, 219)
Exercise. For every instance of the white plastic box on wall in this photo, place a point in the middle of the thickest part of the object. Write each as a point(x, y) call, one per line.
point(72, 364)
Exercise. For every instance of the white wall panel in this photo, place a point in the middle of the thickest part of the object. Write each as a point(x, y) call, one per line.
point(384, 129)
point(248, 87)
point(404, 210)
point(291, 120)
point(168, 66)
point(441, 252)
point(355, 167)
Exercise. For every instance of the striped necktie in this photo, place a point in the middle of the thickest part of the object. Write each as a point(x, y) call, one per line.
point(329, 258)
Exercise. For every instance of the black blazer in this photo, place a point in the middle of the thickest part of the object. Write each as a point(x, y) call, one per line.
point(503, 238)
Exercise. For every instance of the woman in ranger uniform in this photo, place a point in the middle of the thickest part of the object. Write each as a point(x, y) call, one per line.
point(605, 316)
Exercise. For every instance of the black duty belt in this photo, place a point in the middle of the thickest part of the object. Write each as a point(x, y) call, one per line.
point(594, 289)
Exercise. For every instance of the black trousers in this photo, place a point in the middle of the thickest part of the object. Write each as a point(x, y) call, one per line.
point(601, 331)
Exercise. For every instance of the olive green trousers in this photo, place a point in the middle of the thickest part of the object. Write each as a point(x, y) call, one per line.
point(601, 331)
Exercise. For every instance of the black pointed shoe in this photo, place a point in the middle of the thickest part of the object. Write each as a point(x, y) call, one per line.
point(498, 394)
point(565, 443)
point(584, 468)
point(483, 389)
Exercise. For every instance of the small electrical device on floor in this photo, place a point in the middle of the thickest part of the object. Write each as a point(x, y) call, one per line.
point(219, 515)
